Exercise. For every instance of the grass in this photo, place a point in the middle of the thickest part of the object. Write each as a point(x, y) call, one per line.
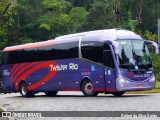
point(156, 90)
point(158, 85)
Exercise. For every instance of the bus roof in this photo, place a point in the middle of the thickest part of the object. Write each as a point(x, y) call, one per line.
point(29, 45)
point(117, 33)
point(106, 34)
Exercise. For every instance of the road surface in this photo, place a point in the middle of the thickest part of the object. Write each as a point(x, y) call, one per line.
point(75, 101)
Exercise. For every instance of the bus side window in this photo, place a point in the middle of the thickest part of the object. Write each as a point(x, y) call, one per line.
point(108, 59)
point(93, 51)
point(4, 58)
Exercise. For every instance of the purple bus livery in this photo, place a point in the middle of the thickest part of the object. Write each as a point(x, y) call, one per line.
point(110, 61)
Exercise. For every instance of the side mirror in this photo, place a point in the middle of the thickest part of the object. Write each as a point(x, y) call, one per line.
point(155, 45)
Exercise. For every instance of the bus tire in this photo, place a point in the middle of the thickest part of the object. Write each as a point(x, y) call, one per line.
point(4, 92)
point(24, 92)
point(51, 93)
point(87, 88)
point(118, 94)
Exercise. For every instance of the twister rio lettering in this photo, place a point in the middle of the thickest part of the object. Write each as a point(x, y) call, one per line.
point(70, 66)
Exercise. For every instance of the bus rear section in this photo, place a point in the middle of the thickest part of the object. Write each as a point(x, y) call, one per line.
point(28, 72)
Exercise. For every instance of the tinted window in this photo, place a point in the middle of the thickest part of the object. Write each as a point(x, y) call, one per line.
point(67, 50)
point(52, 52)
point(108, 59)
point(93, 50)
point(12, 57)
point(27, 55)
point(4, 58)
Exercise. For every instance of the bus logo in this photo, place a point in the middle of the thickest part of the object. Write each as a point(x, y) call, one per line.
point(6, 73)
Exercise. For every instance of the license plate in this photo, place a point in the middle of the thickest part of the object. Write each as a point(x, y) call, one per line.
point(140, 86)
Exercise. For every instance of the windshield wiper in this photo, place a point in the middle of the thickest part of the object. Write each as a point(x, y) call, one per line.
point(129, 68)
point(145, 65)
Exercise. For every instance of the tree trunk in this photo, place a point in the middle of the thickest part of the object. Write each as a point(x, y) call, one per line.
point(117, 13)
point(139, 13)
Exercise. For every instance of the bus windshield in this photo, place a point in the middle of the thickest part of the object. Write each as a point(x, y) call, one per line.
point(133, 54)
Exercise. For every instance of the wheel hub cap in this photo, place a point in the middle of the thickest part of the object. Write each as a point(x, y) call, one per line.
point(89, 88)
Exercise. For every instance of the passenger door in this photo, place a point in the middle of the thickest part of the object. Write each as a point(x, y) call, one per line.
point(109, 71)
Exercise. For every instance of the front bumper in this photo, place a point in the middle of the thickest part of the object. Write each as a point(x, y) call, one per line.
point(127, 85)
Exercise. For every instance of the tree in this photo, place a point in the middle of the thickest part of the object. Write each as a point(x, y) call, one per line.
point(6, 12)
point(117, 12)
point(24, 24)
point(150, 15)
point(55, 18)
point(28, 12)
point(77, 16)
point(101, 16)
point(87, 4)
point(137, 8)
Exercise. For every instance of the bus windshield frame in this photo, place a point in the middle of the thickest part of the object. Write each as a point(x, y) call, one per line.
point(134, 55)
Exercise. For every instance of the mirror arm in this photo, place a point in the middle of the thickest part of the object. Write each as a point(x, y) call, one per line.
point(155, 45)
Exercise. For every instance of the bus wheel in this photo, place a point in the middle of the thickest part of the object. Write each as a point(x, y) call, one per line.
point(118, 94)
point(24, 92)
point(87, 88)
point(4, 92)
point(51, 93)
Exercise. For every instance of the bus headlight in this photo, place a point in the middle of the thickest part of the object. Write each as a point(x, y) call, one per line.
point(152, 79)
point(122, 80)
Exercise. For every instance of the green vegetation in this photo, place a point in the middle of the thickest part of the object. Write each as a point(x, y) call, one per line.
point(157, 85)
point(24, 21)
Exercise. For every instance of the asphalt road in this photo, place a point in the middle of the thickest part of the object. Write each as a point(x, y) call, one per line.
point(75, 101)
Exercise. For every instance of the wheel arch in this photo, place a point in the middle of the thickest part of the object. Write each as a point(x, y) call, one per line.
point(84, 78)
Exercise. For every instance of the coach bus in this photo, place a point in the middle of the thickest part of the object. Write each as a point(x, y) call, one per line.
point(110, 61)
